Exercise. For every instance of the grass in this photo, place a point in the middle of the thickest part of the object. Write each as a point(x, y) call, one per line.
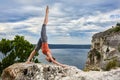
point(119, 47)
point(111, 64)
point(116, 29)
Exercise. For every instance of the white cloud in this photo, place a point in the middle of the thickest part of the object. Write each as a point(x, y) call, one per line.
point(104, 17)
point(28, 2)
point(60, 23)
point(35, 26)
point(56, 10)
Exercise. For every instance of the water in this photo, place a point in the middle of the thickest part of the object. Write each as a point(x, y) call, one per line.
point(74, 57)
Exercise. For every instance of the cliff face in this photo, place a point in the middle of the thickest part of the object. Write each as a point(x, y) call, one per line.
point(23, 71)
point(105, 50)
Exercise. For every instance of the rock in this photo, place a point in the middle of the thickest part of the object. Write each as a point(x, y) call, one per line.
point(35, 71)
point(105, 50)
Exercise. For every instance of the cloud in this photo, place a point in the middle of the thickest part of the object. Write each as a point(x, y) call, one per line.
point(70, 21)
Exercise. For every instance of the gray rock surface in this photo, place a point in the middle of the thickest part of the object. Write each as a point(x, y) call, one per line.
point(105, 50)
point(34, 71)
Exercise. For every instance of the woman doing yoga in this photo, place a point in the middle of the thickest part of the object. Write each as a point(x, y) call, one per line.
point(43, 44)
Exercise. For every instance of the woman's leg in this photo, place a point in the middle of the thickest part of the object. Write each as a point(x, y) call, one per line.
point(43, 33)
point(38, 46)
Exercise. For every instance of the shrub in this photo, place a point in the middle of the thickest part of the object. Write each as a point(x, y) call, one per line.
point(16, 50)
point(119, 47)
point(98, 55)
point(111, 64)
point(94, 53)
point(116, 29)
point(118, 24)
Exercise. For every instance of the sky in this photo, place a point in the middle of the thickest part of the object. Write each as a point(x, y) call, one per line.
point(70, 21)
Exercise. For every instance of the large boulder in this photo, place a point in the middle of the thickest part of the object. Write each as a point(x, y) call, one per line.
point(34, 71)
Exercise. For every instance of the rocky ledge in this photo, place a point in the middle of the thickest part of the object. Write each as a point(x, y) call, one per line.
point(34, 71)
point(105, 50)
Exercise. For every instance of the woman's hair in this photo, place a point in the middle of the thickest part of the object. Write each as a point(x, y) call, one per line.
point(53, 58)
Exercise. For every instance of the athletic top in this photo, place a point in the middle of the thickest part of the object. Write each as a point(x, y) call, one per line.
point(45, 48)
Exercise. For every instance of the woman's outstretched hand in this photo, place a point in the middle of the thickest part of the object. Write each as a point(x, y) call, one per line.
point(28, 62)
point(64, 66)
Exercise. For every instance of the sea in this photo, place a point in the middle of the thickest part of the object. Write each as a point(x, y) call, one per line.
point(73, 55)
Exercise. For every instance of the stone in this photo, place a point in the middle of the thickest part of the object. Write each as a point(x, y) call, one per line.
point(38, 71)
point(105, 50)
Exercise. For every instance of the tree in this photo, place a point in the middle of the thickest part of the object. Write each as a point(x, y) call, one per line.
point(118, 24)
point(17, 50)
point(7, 46)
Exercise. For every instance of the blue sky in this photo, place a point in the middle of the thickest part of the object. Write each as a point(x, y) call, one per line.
point(70, 21)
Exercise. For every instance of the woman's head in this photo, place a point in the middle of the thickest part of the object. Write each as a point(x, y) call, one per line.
point(49, 60)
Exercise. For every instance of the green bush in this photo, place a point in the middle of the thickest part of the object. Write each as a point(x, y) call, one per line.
point(17, 50)
point(111, 64)
point(118, 24)
point(92, 54)
point(119, 47)
point(98, 55)
point(116, 29)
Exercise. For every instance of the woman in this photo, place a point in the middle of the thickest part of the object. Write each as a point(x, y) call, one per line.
point(43, 44)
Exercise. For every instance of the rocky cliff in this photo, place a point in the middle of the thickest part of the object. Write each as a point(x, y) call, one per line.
point(105, 50)
point(23, 71)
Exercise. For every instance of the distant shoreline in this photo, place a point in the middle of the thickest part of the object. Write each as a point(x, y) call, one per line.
point(69, 46)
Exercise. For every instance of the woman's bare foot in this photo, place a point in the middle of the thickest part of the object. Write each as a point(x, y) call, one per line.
point(47, 10)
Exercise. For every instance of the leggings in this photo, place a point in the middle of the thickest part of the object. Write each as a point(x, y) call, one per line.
point(42, 39)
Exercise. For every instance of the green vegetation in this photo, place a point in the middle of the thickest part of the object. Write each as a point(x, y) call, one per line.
point(110, 31)
point(118, 24)
point(94, 53)
point(13, 51)
point(98, 55)
point(91, 67)
point(119, 47)
point(111, 64)
point(116, 28)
